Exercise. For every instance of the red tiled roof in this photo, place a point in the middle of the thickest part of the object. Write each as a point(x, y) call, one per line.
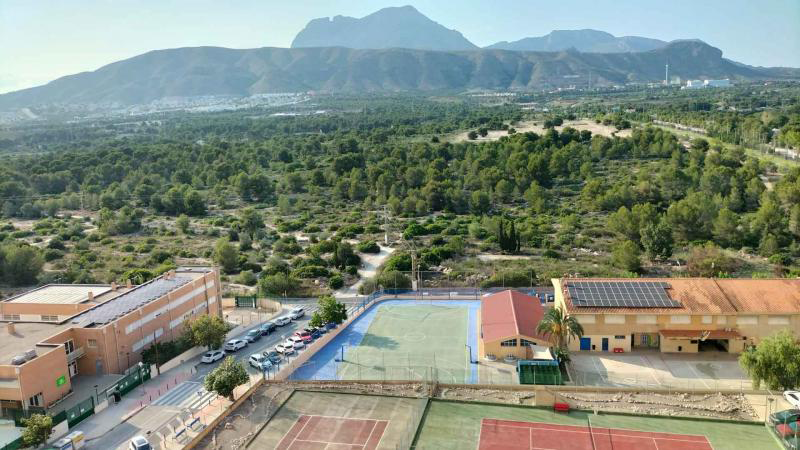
point(697, 334)
point(508, 314)
point(709, 296)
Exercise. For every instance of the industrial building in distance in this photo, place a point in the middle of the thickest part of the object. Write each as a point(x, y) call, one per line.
point(56, 333)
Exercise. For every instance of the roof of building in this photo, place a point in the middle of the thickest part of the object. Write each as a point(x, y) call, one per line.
point(510, 313)
point(61, 294)
point(707, 296)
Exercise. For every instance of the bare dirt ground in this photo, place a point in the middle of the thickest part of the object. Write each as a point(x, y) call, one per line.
point(536, 127)
point(369, 267)
point(717, 405)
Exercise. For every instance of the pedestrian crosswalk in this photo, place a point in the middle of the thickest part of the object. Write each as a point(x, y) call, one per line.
point(189, 394)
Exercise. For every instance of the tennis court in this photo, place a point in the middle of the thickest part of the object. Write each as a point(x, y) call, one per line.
point(450, 425)
point(497, 434)
point(318, 420)
point(320, 432)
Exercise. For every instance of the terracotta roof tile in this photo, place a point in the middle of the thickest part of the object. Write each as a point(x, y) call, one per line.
point(709, 296)
point(510, 313)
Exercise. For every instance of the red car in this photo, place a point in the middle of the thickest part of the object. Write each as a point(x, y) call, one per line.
point(304, 335)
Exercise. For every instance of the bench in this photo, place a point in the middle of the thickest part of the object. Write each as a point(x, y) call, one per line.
point(619, 350)
point(561, 407)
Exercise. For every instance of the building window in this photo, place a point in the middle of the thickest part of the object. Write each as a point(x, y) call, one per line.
point(707, 319)
point(620, 336)
point(615, 319)
point(645, 340)
point(680, 319)
point(10, 316)
point(524, 342)
point(509, 343)
point(36, 400)
point(91, 343)
point(69, 346)
point(46, 318)
point(646, 319)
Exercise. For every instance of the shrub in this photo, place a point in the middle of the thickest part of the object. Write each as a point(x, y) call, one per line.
point(368, 247)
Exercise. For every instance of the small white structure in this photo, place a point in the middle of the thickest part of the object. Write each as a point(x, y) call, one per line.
point(700, 84)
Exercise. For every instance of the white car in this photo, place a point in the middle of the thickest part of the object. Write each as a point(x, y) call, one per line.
point(259, 361)
point(297, 313)
point(139, 443)
point(284, 349)
point(235, 344)
point(793, 397)
point(212, 356)
point(281, 321)
point(296, 342)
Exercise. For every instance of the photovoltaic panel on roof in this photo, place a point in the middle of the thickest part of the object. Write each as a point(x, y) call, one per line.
point(132, 300)
point(620, 294)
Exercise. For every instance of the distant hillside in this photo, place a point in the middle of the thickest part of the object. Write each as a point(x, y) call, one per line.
point(197, 71)
point(402, 27)
point(589, 41)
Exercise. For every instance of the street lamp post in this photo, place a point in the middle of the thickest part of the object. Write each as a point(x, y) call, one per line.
point(128, 355)
point(96, 395)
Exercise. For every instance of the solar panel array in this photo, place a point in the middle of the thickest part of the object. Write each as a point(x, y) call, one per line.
point(621, 294)
point(130, 301)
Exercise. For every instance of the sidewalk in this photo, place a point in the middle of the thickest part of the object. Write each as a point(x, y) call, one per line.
point(101, 423)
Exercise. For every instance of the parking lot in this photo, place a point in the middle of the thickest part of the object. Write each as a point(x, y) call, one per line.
point(653, 369)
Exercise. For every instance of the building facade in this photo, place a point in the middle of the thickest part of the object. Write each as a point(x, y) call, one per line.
point(508, 324)
point(699, 314)
point(57, 332)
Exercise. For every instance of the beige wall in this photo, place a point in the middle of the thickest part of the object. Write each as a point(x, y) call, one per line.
point(520, 352)
point(111, 342)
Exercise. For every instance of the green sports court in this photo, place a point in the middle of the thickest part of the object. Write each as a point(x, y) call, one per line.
point(402, 340)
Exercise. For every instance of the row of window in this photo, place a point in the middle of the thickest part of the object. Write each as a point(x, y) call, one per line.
point(643, 319)
point(513, 343)
point(168, 307)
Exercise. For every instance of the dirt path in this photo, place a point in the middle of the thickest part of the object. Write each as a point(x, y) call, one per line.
point(369, 267)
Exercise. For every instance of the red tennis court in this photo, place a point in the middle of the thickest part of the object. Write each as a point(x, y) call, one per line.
point(512, 435)
point(333, 433)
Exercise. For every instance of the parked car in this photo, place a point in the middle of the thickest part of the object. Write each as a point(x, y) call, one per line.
point(321, 330)
point(267, 328)
point(785, 416)
point(273, 356)
point(140, 443)
point(259, 361)
point(304, 335)
point(281, 321)
point(285, 348)
point(253, 335)
point(212, 356)
point(315, 333)
point(297, 313)
point(793, 397)
point(235, 344)
point(296, 342)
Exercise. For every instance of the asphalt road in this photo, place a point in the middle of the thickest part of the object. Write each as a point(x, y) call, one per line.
point(190, 393)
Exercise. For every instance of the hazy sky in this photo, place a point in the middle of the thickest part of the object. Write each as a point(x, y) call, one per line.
point(41, 40)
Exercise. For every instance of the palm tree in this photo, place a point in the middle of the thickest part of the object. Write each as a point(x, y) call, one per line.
point(559, 327)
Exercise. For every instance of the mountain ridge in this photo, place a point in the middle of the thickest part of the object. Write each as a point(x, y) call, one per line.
point(394, 27)
point(197, 71)
point(584, 40)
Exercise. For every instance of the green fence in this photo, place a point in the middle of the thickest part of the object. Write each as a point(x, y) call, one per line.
point(245, 301)
point(539, 374)
point(80, 411)
point(133, 379)
point(14, 445)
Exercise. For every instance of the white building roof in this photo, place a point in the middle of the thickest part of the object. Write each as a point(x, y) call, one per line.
point(60, 294)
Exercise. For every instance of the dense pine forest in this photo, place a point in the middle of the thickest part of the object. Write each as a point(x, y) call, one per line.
point(476, 191)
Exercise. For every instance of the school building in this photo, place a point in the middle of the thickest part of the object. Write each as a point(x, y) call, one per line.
point(508, 322)
point(55, 333)
point(678, 314)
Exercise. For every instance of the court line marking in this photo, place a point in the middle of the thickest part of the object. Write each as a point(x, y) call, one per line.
point(560, 427)
point(612, 434)
point(651, 370)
